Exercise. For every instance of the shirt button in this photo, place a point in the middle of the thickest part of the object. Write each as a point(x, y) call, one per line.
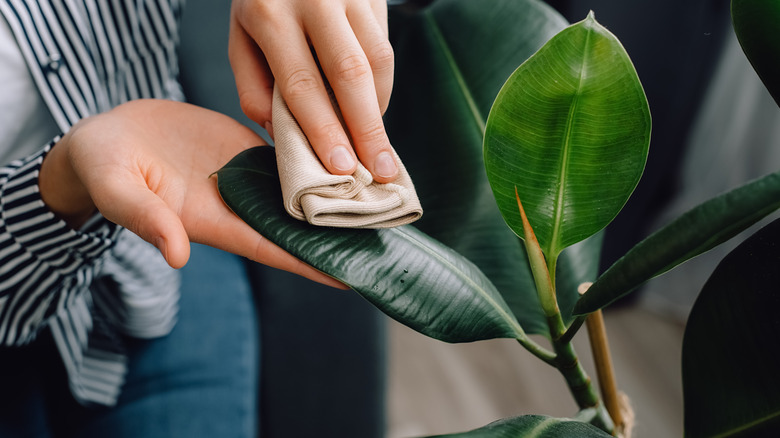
point(52, 63)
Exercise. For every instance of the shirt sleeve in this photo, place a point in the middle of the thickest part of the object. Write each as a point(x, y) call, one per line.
point(43, 262)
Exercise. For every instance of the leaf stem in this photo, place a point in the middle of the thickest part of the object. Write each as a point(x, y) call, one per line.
point(537, 350)
point(574, 327)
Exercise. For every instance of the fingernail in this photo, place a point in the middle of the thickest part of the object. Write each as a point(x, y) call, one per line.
point(341, 159)
point(384, 165)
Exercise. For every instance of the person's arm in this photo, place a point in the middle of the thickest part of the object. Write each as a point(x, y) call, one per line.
point(144, 166)
point(283, 41)
point(43, 261)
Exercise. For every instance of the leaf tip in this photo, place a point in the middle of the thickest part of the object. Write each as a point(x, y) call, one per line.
point(590, 21)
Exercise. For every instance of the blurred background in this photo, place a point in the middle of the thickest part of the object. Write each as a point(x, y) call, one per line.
point(714, 127)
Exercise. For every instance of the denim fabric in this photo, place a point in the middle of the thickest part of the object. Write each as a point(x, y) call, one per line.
point(199, 381)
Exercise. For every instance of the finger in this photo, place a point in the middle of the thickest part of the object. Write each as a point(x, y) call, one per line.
point(254, 81)
point(349, 73)
point(133, 206)
point(303, 89)
point(379, 7)
point(257, 248)
point(370, 27)
point(226, 231)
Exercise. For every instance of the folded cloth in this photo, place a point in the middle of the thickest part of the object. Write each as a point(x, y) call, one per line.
point(313, 194)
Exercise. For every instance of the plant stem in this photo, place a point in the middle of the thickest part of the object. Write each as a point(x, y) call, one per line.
point(597, 334)
point(580, 385)
point(577, 379)
point(565, 359)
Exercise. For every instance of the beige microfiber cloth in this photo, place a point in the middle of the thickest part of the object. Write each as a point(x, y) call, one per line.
point(313, 194)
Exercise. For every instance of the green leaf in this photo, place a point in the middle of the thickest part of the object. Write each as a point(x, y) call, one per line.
point(755, 23)
point(451, 60)
point(403, 272)
point(533, 426)
point(695, 232)
point(570, 130)
point(730, 354)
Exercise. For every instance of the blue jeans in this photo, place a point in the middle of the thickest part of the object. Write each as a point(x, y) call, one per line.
point(199, 381)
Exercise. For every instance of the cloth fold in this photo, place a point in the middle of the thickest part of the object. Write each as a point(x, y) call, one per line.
point(313, 194)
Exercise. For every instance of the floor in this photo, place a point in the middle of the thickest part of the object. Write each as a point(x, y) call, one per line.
point(440, 388)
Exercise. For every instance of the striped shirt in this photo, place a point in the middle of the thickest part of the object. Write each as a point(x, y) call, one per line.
point(93, 286)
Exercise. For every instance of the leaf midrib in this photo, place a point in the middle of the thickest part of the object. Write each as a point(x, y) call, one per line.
point(467, 279)
point(554, 245)
point(747, 426)
point(539, 429)
point(479, 120)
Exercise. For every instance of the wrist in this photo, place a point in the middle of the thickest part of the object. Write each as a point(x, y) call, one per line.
point(61, 189)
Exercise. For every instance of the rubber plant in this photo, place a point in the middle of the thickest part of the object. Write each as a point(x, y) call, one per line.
point(518, 177)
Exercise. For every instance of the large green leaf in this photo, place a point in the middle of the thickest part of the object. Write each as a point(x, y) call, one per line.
point(730, 354)
point(756, 25)
point(406, 274)
point(451, 60)
point(570, 131)
point(695, 232)
point(533, 426)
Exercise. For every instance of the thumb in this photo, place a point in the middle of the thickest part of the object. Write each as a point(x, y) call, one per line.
point(144, 213)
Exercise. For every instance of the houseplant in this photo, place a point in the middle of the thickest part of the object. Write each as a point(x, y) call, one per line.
point(474, 280)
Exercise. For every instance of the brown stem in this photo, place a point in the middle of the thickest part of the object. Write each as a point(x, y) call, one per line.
point(597, 334)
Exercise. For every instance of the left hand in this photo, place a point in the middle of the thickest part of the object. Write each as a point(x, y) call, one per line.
point(146, 166)
point(277, 40)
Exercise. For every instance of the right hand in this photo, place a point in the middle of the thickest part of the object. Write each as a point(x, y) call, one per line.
point(146, 166)
point(285, 41)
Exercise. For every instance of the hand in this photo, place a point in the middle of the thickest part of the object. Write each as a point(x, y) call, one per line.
point(146, 166)
point(274, 40)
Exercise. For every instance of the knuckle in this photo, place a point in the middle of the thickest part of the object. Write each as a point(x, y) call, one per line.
point(265, 10)
point(301, 82)
point(382, 57)
point(328, 134)
point(320, 5)
point(350, 67)
point(373, 134)
point(250, 106)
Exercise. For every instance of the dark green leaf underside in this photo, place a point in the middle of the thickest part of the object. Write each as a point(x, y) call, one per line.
point(695, 232)
point(730, 354)
point(533, 426)
point(406, 274)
